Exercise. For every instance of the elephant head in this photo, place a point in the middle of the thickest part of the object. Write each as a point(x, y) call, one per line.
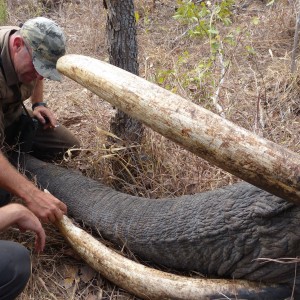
point(222, 233)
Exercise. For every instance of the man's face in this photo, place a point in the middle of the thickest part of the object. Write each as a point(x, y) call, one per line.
point(24, 66)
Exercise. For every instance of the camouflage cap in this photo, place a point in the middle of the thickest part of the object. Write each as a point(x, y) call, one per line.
point(48, 44)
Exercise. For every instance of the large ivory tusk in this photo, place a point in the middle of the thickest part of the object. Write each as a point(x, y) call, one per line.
point(232, 148)
point(145, 282)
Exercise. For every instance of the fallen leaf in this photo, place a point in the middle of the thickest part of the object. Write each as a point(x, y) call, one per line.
point(68, 282)
point(87, 273)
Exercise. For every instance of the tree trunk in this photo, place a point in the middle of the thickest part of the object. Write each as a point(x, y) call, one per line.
point(122, 48)
point(230, 147)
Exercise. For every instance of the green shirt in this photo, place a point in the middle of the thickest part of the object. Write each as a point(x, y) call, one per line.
point(10, 107)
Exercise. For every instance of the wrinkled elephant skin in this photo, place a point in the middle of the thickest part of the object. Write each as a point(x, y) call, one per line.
point(218, 233)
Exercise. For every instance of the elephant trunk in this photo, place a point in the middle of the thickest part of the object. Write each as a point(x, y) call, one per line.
point(219, 233)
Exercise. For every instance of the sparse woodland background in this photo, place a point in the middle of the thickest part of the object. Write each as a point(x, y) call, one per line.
point(240, 68)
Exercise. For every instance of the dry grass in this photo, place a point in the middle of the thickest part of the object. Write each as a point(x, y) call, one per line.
point(257, 92)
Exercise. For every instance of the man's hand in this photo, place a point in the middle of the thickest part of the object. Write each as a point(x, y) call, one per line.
point(45, 206)
point(21, 217)
point(45, 117)
point(43, 114)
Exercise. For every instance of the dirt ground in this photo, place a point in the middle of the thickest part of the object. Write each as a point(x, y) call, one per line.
point(257, 91)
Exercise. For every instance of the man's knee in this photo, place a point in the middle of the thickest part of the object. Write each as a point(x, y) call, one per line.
point(52, 144)
point(15, 269)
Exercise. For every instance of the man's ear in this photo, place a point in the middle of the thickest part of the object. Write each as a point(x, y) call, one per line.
point(18, 43)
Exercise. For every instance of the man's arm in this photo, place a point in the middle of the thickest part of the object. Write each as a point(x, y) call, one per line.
point(42, 112)
point(21, 217)
point(45, 206)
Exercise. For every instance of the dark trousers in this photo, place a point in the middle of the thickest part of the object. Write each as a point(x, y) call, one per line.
point(42, 143)
point(49, 144)
point(15, 269)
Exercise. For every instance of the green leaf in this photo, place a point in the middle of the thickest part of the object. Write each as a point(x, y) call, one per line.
point(137, 16)
point(250, 49)
point(255, 21)
point(213, 31)
point(271, 2)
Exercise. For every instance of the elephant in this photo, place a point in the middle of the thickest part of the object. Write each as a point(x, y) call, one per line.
point(238, 231)
point(248, 230)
